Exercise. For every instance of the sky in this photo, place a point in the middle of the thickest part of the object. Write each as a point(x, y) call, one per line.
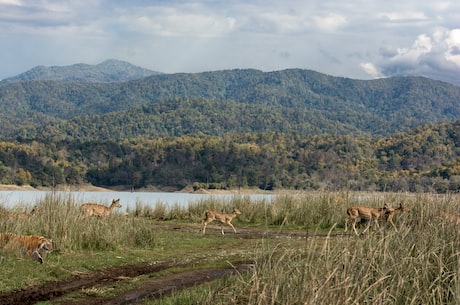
point(360, 39)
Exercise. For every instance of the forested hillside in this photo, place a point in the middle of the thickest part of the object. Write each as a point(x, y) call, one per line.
point(423, 159)
point(106, 72)
point(293, 100)
point(187, 117)
point(294, 129)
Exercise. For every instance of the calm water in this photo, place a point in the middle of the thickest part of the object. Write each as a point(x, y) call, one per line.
point(10, 199)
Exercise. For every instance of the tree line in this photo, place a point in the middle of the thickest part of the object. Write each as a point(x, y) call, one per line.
point(423, 159)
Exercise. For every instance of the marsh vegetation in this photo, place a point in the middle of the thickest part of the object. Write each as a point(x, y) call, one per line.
point(312, 262)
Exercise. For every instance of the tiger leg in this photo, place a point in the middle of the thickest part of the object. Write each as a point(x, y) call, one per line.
point(36, 256)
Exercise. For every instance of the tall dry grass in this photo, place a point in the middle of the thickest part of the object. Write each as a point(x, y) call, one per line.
point(418, 264)
point(397, 268)
point(60, 219)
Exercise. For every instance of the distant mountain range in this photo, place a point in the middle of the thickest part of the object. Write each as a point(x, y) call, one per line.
point(101, 102)
point(106, 72)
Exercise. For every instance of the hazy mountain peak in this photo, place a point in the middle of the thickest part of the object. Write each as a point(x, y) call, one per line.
point(109, 71)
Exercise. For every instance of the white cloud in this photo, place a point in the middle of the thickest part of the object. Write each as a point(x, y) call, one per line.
point(330, 22)
point(435, 55)
point(276, 22)
point(370, 69)
point(356, 38)
point(453, 47)
point(177, 21)
point(402, 16)
point(173, 22)
point(10, 2)
point(421, 46)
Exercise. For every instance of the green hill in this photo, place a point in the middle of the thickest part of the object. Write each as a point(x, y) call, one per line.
point(106, 72)
point(222, 102)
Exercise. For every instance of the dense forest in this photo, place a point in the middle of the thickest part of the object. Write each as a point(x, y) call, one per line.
point(290, 129)
point(216, 103)
point(423, 159)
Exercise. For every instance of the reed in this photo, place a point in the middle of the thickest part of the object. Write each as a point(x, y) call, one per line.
point(419, 264)
point(60, 219)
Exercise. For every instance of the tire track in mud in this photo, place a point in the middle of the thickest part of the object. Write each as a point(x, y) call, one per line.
point(53, 290)
point(148, 289)
point(151, 288)
point(160, 287)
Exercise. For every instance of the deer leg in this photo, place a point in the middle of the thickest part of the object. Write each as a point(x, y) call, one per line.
point(376, 221)
point(347, 220)
point(390, 220)
point(354, 226)
point(222, 228)
point(368, 225)
point(230, 224)
point(203, 226)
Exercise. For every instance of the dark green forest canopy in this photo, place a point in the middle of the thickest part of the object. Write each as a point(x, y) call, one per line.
point(294, 100)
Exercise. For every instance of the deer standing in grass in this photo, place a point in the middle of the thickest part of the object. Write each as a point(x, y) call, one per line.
point(455, 218)
point(390, 213)
point(100, 210)
point(370, 214)
point(21, 215)
point(211, 215)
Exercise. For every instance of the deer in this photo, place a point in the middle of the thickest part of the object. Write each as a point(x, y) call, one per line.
point(386, 214)
point(211, 215)
point(367, 213)
point(390, 213)
point(21, 215)
point(454, 218)
point(99, 210)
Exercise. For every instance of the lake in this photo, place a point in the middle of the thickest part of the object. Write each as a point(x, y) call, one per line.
point(11, 199)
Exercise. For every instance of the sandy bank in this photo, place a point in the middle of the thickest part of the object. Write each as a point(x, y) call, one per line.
point(91, 188)
point(67, 188)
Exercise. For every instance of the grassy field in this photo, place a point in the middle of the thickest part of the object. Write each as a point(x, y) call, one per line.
point(418, 264)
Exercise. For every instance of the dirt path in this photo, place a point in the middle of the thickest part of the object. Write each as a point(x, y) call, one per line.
point(53, 290)
point(149, 288)
point(155, 288)
point(152, 289)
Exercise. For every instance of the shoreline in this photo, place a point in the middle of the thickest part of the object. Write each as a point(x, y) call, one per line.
point(91, 188)
point(82, 188)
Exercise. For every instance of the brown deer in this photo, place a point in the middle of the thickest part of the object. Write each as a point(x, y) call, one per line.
point(100, 210)
point(390, 213)
point(367, 213)
point(211, 215)
point(20, 215)
point(387, 214)
point(454, 218)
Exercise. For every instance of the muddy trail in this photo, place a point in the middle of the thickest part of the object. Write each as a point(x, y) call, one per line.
point(149, 288)
point(153, 288)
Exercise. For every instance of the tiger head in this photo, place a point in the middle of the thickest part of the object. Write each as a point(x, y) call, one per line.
point(46, 244)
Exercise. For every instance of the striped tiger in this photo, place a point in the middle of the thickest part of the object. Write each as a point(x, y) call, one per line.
point(32, 245)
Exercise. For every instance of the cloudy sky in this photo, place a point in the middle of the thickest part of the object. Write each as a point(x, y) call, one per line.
point(361, 39)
